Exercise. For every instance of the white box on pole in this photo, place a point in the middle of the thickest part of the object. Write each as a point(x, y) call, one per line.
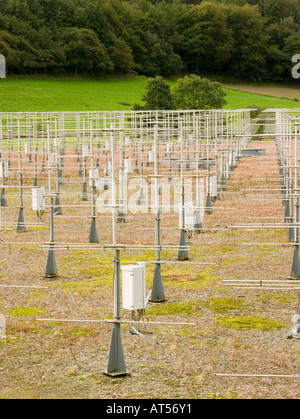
point(133, 287)
point(52, 159)
point(93, 175)
point(128, 165)
point(4, 169)
point(189, 216)
point(85, 150)
point(27, 147)
point(214, 186)
point(38, 200)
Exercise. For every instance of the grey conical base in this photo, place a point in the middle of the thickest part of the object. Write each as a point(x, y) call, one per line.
point(121, 216)
point(223, 183)
point(51, 268)
point(295, 270)
point(208, 206)
point(21, 223)
point(183, 251)
point(57, 207)
point(287, 212)
point(141, 200)
point(198, 223)
point(158, 292)
point(116, 362)
point(60, 178)
point(3, 202)
point(93, 238)
point(291, 231)
point(84, 196)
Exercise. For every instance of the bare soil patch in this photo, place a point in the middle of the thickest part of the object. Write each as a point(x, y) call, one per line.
point(238, 331)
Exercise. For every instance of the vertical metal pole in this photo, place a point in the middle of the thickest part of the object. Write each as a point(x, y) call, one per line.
point(21, 224)
point(3, 202)
point(93, 238)
point(84, 196)
point(1, 138)
point(157, 293)
point(198, 222)
point(182, 251)
point(51, 268)
point(295, 270)
point(113, 187)
point(49, 162)
point(116, 362)
point(208, 205)
point(91, 143)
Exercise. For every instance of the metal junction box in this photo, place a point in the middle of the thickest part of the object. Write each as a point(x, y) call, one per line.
point(3, 169)
point(188, 216)
point(52, 159)
point(93, 175)
point(27, 147)
point(133, 287)
point(128, 165)
point(38, 201)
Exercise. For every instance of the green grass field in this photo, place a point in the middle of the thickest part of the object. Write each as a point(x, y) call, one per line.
point(20, 94)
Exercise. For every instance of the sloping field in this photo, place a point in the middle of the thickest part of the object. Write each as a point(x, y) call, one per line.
point(42, 95)
point(267, 96)
point(22, 94)
point(276, 91)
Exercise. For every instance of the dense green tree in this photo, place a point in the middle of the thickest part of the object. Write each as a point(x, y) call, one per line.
point(121, 56)
point(251, 43)
point(275, 10)
point(248, 39)
point(208, 41)
point(194, 92)
point(85, 52)
point(157, 96)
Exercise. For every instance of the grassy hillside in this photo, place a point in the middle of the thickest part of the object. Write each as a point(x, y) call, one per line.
point(24, 94)
point(18, 94)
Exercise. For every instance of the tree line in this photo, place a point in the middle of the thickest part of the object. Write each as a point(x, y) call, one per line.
point(244, 39)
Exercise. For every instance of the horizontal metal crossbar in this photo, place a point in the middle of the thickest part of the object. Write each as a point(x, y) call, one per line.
point(258, 375)
point(288, 284)
point(115, 321)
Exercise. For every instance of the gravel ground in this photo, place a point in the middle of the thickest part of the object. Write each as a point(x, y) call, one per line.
point(234, 330)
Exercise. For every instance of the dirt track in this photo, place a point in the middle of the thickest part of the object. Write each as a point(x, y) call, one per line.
point(282, 92)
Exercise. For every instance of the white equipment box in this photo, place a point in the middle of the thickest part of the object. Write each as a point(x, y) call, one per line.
point(85, 150)
point(188, 216)
point(151, 156)
point(56, 142)
point(133, 287)
point(38, 201)
point(27, 147)
point(128, 165)
point(93, 175)
point(3, 169)
point(214, 186)
point(52, 159)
